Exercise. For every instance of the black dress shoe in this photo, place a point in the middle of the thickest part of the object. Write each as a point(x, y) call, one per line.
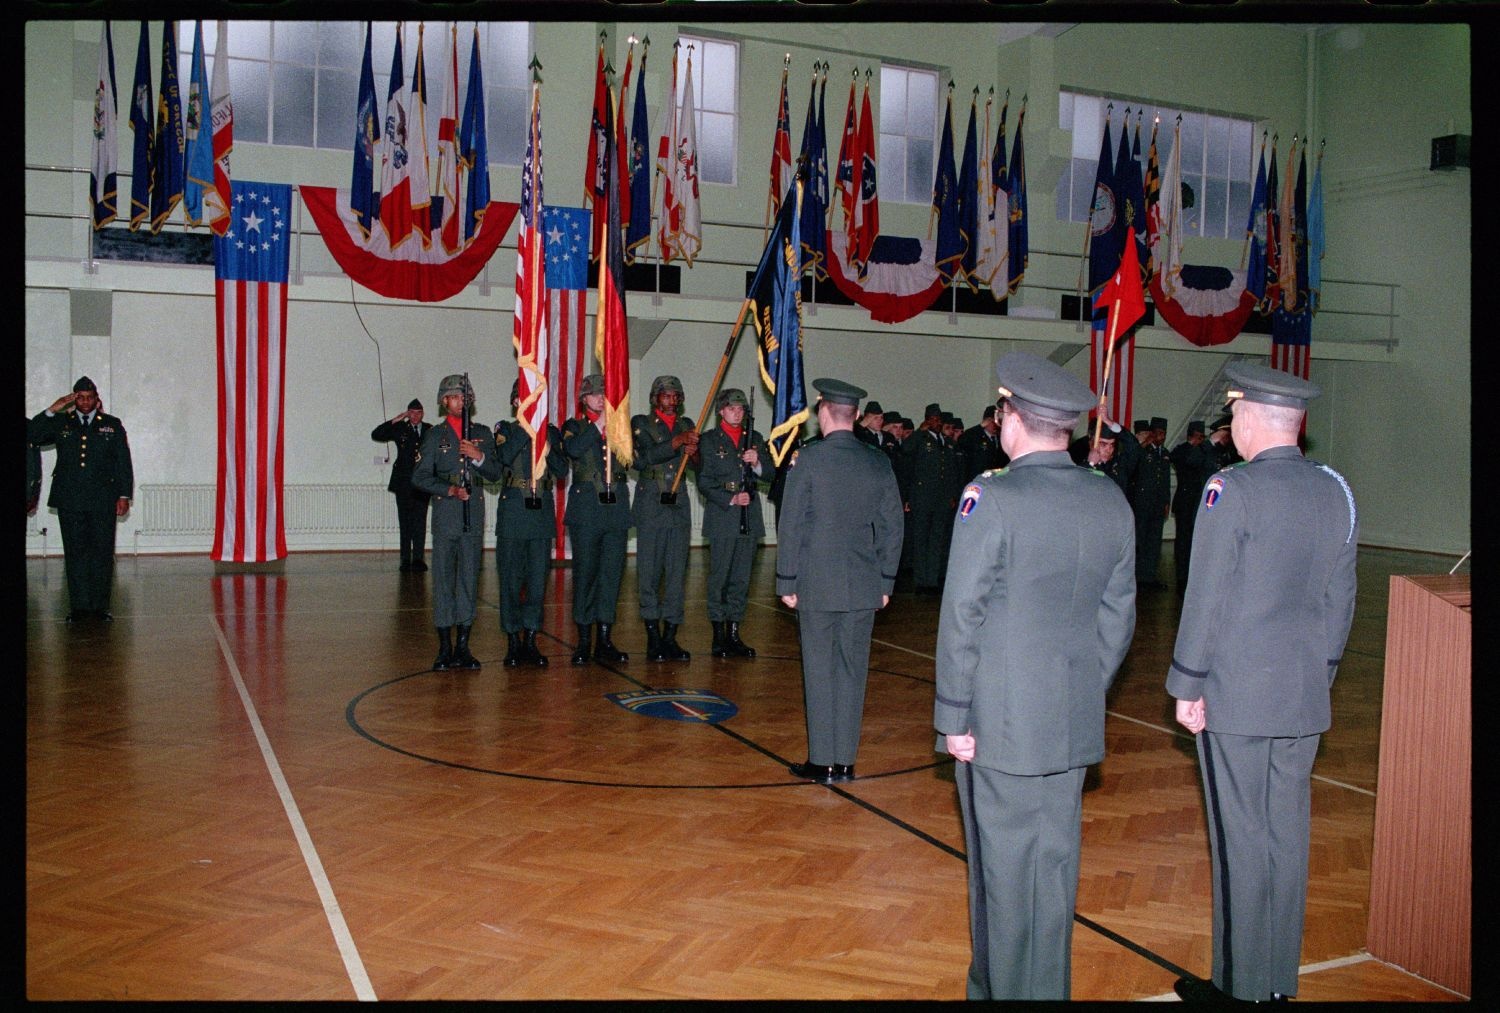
point(105, 616)
point(843, 771)
point(77, 615)
point(1201, 990)
point(405, 567)
point(419, 567)
point(820, 772)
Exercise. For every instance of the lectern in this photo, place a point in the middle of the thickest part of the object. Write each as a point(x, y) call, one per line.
point(1421, 867)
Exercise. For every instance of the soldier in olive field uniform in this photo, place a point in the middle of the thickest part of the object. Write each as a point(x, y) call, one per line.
point(598, 519)
point(664, 442)
point(1037, 614)
point(406, 431)
point(1269, 603)
point(93, 482)
point(733, 459)
point(525, 526)
point(457, 534)
point(837, 548)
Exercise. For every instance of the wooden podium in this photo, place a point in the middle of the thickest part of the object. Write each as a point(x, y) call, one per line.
point(1421, 866)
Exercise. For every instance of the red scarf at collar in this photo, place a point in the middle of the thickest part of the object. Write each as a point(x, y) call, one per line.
point(670, 420)
point(733, 432)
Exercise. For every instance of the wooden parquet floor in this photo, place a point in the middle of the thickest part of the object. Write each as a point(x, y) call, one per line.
point(250, 786)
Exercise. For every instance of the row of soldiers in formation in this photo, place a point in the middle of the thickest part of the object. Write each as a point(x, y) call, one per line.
point(935, 461)
point(448, 465)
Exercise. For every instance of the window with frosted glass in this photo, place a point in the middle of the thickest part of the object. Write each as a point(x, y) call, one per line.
point(906, 141)
point(715, 103)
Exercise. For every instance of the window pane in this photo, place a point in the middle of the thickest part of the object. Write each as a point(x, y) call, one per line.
point(337, 103)
point(892, 100)
point(1241, 141)
point(1218, 147)
point(341, 44)
point(382, 46)
point(716, 148)
point(1065, 112)
point(1216, 208)
point(1239, 207)
point(508, 55)
point(921, 105)
point(1087, 125)
point(717, 76)
point(506, 110)
point(1082, 188)
point(919, 170)
point(1192, 143)
point(296, 41)
point(250, 38)
point(1192, 204)
point(250, 91)
point(892, 155)
point(292, 86)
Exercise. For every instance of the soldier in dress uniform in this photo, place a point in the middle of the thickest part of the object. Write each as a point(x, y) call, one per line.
point(93, 482)
point(453, 470)
point(929, 499)
point(733, 459)
point(1223, 443)
point(1103, 456)
point(1194, 462)
point(1269, 604)
point(664, 442)
point(33, 473)
point(1037, 614)
point(871, 426)
point(980, 446)
point(406, 431)
point(598, 519)
point(525, 527)
point(837, 549)
point(1151, 498)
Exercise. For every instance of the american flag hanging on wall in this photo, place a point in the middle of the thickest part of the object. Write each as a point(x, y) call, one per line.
point(250, 296)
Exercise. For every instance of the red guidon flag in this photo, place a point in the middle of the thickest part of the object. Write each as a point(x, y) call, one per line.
point(611, 339)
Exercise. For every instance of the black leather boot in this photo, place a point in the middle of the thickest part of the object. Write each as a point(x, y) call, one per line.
point(605, 649)
point(461, 656)
point(720, 648)
point(670, 648)
point(444, 657)
point(734, 645)
point(533, 655)
point(512, 650)
point(654, 651)
point(585, 645)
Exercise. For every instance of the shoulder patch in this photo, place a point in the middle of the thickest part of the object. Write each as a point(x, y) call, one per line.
point(1212, 491)
point(970, 500)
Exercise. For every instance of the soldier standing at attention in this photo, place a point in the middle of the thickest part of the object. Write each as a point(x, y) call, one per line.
point(731, 457)
point(664, 442)
point(1194, 462)
point(1151, 498)
point(837, 548)
point(93, 482)
point(452, 468)
point(525, 527)
point(598, 519)
point(406, 431)
point(1269, 604)
point(929, 499)
point(1037, 614)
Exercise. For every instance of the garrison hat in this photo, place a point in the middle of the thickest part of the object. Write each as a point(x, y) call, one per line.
point(1264, 385)
point(958, 422)
point(931, 410)
point(1157, 422)
point(731, 396)
point(453, 383)
point(873, 408)
point(84, 383)
point(839, 392)
point(414, 405)
point(1141, 426)
point(1042, 388)
point(989, 411)
point(947, 418)
point(665, 382)
point(515, 389)
point(1196, 426)
point(591, 384)
point(1223, 422)
point(1106, 433)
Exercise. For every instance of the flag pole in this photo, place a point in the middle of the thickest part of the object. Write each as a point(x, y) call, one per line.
point(1088, 234)
point(786, 65)
point(1245, 252)
point(1109, 361)
point(713, 389)
point(537, 456)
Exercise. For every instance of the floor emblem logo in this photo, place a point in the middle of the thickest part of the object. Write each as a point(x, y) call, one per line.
point(677, 704)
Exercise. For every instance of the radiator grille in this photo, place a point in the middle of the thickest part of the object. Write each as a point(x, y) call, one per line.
point(335, 508)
